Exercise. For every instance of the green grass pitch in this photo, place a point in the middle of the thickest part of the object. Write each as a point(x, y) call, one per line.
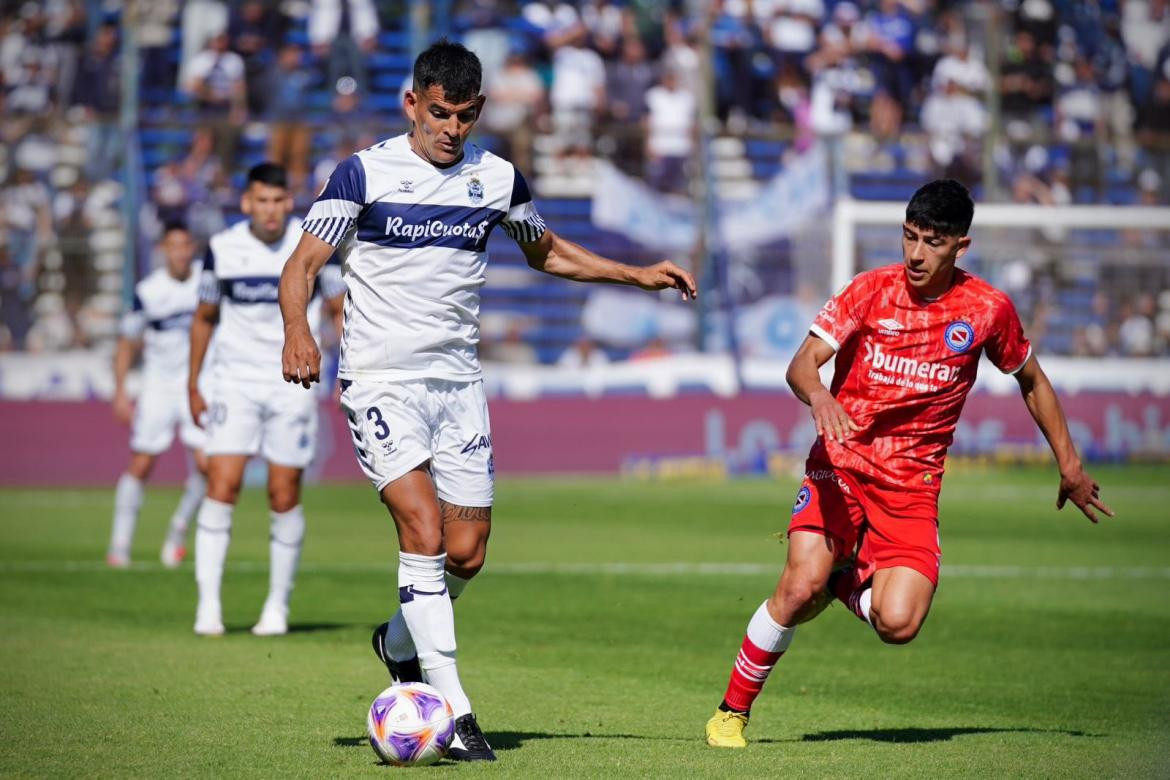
point(599, 639)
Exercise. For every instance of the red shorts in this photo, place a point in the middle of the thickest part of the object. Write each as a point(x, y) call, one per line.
point(885, 526)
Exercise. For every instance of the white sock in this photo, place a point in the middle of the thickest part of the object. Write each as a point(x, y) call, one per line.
point(284, 550)
point(426, 608)
point(194, 489)
point(864, 602)
point(398, 643)
point(768, 635)
point(455, 585)
point(127, 503)
point(213, 532)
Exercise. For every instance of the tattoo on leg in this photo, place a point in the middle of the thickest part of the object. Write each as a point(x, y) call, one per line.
point(453, 513)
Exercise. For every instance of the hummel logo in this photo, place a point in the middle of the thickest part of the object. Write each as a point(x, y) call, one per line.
point(889, 327)
point(406, 185)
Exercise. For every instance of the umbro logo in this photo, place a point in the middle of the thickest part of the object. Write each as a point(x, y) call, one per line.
point(889, 327)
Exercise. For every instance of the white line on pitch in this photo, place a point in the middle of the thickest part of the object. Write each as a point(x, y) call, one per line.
point(954, 571)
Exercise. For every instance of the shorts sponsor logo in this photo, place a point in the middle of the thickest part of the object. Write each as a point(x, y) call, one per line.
point(902, 371)
point(822, 475)
point(802, 499)
point(959, 336)
point(478, 442)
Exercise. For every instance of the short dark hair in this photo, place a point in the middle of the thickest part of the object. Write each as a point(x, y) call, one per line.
point(175, 224)
point(268, 173)
point(451, 66)
point(944, 206)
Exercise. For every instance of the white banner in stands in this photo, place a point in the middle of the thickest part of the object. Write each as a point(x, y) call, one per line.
point(627, 206)
point(797, 195)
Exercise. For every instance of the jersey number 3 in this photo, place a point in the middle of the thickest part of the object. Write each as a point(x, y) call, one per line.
point(381, 429)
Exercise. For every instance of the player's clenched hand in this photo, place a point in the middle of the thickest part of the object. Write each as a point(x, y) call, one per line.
point(1080, 488)
point(301, 360)
point(831, 419)
point(123, 408)
point(666, 274)
point(197, 404)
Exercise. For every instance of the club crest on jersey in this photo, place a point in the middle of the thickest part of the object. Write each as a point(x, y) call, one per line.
point(959, 336)
point(475, 190)
point(802, 499)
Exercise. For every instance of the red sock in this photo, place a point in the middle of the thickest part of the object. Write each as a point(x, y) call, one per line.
point(841, 585)
point(751, 670)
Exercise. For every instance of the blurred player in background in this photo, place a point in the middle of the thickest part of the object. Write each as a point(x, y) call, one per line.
point(249, 410)
point(865, 523)
point(411, 216)
point(158, 325)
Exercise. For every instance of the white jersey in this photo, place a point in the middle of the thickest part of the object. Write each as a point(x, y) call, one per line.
point(242, 274)
point(414, 240)
point(161, 318)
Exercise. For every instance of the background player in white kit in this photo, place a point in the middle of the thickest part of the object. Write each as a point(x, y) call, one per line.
point(411, 217)
point(158, 325)
point(249, 410)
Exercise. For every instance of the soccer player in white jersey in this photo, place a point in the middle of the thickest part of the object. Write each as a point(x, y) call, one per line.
point(411, 218)
point(158, 326)
point(249, 410)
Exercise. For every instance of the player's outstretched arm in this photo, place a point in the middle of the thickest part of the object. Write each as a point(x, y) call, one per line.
point(202, 326)
point(804, 377)
point(301, 359)
point(557, 256)
point(1075, 484)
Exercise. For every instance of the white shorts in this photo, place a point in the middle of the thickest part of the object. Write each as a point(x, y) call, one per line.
point(396, 426)
point(278, 421)
point(157, 414)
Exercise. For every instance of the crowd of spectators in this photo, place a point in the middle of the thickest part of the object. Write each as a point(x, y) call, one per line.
point(1059, 99)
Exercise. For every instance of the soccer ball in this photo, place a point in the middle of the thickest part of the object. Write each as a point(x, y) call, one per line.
point(410, 724)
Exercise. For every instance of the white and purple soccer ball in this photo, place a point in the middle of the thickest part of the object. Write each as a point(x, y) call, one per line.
point(410, 724)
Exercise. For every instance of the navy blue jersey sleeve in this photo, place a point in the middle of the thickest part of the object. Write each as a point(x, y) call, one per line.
point(340, 202)
point(522, 222)
point(209, 291)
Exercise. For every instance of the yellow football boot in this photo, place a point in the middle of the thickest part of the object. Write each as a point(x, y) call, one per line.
point(725, 729)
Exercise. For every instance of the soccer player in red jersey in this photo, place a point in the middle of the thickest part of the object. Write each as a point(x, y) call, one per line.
point(907, 339)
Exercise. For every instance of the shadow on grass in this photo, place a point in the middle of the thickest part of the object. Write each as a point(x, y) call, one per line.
point(298, 628)
point(511, 740)
point(911, 735)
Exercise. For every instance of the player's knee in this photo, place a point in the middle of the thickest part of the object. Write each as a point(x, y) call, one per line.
point(465, 561)
point(896, 626)
point(795, 593)
point(141, 466)
point(282, 498)
point(419, 528)
point(222, 490)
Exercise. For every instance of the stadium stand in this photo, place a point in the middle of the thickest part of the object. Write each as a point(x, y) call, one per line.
point(897, 89)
